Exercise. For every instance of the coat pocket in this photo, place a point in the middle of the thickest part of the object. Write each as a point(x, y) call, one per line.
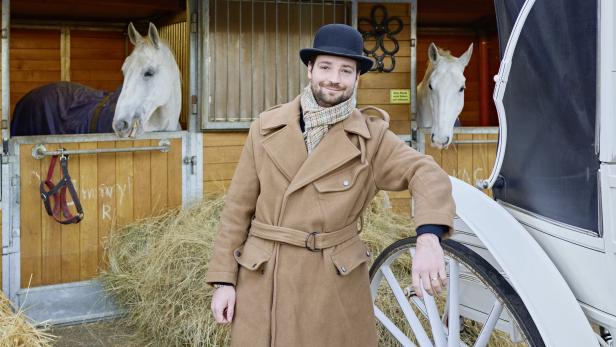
point(253, 253)
point(340, 181)
point(349, 255)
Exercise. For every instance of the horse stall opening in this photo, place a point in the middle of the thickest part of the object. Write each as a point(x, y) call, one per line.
point(452, 28)
point(116, 179)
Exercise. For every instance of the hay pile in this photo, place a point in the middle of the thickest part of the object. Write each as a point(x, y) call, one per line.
point(157, 266)
point(156, 272)
point(16, 331)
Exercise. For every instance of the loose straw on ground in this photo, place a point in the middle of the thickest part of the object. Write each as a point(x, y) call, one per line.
point(16, 330)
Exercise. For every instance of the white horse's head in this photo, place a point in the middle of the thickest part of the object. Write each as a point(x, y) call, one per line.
point(440, 95)
point(151, 97)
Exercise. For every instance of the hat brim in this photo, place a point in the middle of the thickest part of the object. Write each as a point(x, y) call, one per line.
point(365, 63)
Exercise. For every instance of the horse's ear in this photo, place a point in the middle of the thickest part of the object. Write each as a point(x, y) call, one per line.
point(153, 34)
point(433, 52)
point(466, 57)
point(133, 35)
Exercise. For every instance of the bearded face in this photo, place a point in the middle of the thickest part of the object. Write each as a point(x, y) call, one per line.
point(332, 79)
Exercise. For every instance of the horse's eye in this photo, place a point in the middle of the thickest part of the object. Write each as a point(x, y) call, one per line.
point(462, 89)
point(430, 86)
point(148, 73)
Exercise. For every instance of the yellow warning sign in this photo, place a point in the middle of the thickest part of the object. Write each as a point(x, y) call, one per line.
point(399, 96)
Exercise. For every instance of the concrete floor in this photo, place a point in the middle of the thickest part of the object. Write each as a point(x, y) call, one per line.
point(98, 334)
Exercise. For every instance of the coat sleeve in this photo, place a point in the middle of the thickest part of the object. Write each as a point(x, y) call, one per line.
point(240, 204)
point(397, 167)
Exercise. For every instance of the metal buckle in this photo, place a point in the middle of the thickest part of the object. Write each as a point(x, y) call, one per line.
point(312, 246)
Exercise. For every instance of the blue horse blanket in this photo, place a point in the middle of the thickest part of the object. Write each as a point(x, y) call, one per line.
point(64, 108)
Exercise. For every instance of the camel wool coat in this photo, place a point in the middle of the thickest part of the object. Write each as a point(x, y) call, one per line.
point(288, 295)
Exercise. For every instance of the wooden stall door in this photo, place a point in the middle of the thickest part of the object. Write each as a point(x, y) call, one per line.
point(114, 189)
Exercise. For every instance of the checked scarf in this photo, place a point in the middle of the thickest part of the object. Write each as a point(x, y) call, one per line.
point(319, 119)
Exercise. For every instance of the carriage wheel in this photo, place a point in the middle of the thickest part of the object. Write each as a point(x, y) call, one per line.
point(478, 306)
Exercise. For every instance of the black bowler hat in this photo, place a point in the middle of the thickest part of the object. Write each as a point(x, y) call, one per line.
point(340, 40)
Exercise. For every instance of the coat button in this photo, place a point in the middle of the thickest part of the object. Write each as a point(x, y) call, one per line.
point(343, 269)
point(345, 183)
point(238, 253)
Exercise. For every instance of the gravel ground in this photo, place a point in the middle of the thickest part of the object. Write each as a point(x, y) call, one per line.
point(106, 333)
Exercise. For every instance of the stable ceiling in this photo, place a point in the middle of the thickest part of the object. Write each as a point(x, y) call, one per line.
point(94, 10)
point(452, 13)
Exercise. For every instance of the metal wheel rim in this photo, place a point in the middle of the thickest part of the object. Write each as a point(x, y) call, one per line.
point(441, 335)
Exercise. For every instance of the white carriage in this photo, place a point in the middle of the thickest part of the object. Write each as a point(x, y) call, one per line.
point(537, 262)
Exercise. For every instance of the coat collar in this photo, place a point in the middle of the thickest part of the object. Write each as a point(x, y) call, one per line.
point(286, 148)
point(288, 113)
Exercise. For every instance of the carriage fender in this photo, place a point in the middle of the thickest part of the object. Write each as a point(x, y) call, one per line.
point(547, 296)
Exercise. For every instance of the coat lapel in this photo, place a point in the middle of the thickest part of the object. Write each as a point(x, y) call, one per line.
point(334, 150)
point(285, 147)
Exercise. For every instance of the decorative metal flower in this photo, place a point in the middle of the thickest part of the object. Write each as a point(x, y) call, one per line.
point(380, 30)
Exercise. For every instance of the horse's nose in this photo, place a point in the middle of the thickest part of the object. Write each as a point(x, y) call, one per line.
point(120, 125)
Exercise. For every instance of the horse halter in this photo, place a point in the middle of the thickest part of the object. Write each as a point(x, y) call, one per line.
point(57, 193)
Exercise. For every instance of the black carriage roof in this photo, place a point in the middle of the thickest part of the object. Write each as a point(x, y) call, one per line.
point(550, 165)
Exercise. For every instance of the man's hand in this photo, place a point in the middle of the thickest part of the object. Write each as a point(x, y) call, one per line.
point(223, 304)
point(428, 265)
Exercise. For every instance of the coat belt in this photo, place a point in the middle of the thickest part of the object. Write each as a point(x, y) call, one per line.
point(314, 241)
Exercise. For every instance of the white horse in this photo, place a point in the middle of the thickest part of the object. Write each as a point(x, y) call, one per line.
point(440, 95)
point(151, 98)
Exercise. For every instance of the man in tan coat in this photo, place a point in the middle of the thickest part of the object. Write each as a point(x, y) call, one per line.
point(289, 265)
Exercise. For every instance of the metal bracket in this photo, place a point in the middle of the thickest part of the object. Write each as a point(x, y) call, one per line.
point(192, 161)
point(193, 104)
point(40, 151)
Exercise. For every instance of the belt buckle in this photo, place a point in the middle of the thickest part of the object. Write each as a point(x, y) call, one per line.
point(312, 245)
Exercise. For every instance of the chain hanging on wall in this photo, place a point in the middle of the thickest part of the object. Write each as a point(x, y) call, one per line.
point(380, 30)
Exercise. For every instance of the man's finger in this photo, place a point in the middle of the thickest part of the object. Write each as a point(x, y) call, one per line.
point(443, 276)
point(436, 284)
point(230, 309)
point(425, 280)
point(415, 283)
point(217, 313)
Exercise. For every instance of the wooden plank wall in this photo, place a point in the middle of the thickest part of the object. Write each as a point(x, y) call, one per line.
point(177, 36)
point(96, 58)
point(221, 152)
point(115, 189)
point(34, 60)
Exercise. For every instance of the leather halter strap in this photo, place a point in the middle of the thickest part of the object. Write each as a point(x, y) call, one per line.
point(97, 113)
point(57, 193)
